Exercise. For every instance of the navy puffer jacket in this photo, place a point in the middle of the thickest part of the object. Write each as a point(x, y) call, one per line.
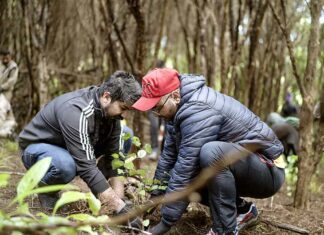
point(205, 115)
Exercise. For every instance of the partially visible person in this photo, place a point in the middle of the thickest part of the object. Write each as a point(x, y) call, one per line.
point(7, 124)
point(75, 129)
point(289, 108)
point(203, 126)
point(275, 118)
point(289, 137)
point(8, 78)
point(8, 74)
point(286, 130)
point(117, 183)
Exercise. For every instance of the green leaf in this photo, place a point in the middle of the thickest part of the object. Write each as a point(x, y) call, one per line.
point(120, 171)
point(94, 203)
point(82, 217)
point(148, 181)
point(141, 153)
point(155, 181)
point(146, 223)
point(126, 136)
point(148, 148)
point(4, 178)
point(102, 219)
point(69, 197)
point(129, 165)
point(23, 209)
point(121, 154)
point(154, 187)
point(116, 164)
point(142, 192)
point(45, 189)
point(42, 215)
point(33, 176)
point(64, 230)
point(136, 141)
point(16, 233)
point(115, 155)
point(132, 172)
point(130, 158)
point(141, 172)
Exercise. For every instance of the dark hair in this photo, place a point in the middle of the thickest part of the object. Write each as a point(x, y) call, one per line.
point(5, 52)
point(123, 87)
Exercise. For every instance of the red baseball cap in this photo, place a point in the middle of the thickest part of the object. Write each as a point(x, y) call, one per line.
point(156, 84)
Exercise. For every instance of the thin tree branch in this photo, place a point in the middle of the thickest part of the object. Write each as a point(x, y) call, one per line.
point(185, 34)
point(288, 227)
point(134, 229)
point(290, 50)
point(114, 23)
point(11, 173)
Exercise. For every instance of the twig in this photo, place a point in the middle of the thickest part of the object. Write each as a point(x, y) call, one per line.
point(288, 227)
point(134, 229)
point(11, 173)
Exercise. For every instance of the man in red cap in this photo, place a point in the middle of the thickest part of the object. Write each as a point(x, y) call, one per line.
point(203, 125)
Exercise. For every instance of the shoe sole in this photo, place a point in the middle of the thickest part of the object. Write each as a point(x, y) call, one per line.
point(248, 224)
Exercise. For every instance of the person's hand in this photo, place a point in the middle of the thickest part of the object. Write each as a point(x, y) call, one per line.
point(159, 229)
point(110, 202)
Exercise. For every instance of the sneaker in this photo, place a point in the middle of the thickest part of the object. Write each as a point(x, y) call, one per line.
point(48, 200)
point(248, 218)
point(154, 155)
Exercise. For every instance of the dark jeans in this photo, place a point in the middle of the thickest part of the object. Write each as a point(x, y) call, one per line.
point(249, 177)
point(128, 143)
point(62, 169)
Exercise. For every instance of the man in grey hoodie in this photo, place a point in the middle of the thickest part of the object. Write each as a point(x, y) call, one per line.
point(77, 128)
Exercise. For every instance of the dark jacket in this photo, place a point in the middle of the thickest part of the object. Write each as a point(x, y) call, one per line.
point(74, 121)
point(205, 115)
point(289, 137)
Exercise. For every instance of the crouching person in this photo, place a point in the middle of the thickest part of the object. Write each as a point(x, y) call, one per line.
point(203, 126)
point(74, 130)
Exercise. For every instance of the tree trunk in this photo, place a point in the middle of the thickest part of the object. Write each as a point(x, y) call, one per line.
point(307, 157)
point(43, 77)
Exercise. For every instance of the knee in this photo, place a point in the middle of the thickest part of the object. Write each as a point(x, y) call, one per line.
point(209, 153)
point(67, 171)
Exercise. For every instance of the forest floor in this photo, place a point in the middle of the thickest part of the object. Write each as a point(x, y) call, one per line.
point(277, 214)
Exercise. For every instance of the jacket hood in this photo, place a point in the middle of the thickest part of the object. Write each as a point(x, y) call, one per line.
point(189, 84)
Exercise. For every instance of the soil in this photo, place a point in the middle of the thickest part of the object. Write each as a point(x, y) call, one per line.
point(275, 211)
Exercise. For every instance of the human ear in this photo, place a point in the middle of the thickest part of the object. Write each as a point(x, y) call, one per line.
point(107, 97)
point(176, 95)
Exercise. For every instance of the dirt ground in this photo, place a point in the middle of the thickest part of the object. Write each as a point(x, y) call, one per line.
point(276, 212)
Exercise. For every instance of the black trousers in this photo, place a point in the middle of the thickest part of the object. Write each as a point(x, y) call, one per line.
point(249, 177)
